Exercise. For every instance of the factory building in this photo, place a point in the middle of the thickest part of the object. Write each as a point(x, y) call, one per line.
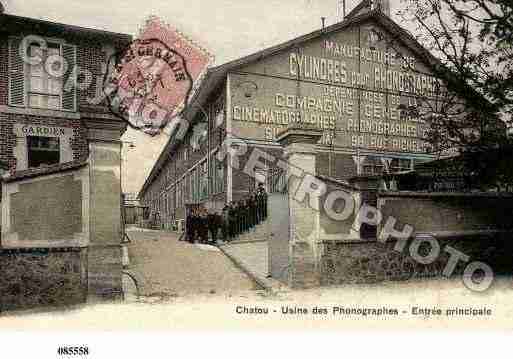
point(351, 80)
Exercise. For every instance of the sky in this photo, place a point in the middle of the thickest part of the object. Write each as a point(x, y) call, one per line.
point(229, 29)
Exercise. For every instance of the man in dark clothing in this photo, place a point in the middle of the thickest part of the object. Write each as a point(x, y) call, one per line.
point(252, 210)
point(249, 222)
point(255, 201)
point(203, 227)
point(225, 223)
point(213, 224)
point(219, 221)
point(193, 227)
point(232, 216)
point(188, 227)
point(255, 209)
point(242, 217)
point(261, 193)
point(238, 213)
point(236, 208)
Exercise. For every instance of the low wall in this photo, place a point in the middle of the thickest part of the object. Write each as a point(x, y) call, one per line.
point(45, 235)
point(42, 277)
point(372, 261)
point(477, 224)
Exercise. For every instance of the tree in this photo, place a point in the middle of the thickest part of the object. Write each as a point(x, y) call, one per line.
point(473, 43)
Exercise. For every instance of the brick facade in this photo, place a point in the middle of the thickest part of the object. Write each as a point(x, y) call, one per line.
point(8, 139)
point(90, 56)
point(4, 76)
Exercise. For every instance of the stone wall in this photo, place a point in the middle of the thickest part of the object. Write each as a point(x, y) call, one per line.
point(42, 277)
point(476, 224)
point(373, 262)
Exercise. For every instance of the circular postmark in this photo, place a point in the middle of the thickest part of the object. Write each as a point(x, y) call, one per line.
point(147, 85)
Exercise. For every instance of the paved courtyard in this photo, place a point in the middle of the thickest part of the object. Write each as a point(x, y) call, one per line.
point(166, 267)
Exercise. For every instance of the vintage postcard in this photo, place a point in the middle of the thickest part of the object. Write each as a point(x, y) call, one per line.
point(242, 165)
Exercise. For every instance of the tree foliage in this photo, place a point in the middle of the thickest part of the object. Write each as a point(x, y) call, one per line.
point(473, 41)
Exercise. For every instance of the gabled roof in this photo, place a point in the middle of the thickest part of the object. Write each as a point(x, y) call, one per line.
point(215, 76)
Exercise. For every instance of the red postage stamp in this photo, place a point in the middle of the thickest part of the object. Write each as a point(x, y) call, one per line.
point(154, 77)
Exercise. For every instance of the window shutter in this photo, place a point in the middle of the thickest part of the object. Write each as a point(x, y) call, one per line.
point(16, 73)
point(69, 91)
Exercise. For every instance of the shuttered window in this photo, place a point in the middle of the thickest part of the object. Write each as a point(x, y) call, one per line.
point(16, 74)
point(32, 85)
point(69, 96)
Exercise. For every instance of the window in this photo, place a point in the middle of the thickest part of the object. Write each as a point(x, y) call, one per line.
point(193, 185)
point(192, 188)
point(184, 193)
point(277, 180)
point(31, 82)
point(218, 174)
point(43, 151)
point(203, 180)
point(180, 194)
point(212, 173)
point(44, 90)
point(170, 203)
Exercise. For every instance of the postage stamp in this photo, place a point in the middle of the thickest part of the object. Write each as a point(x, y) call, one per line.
point(149, 83)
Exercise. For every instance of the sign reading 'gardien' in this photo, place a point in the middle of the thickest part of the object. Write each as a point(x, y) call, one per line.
point(150, 82)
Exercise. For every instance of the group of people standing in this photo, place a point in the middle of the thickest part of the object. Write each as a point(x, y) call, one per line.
point(244, 215)
point(199, 223)
point(236, 218)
